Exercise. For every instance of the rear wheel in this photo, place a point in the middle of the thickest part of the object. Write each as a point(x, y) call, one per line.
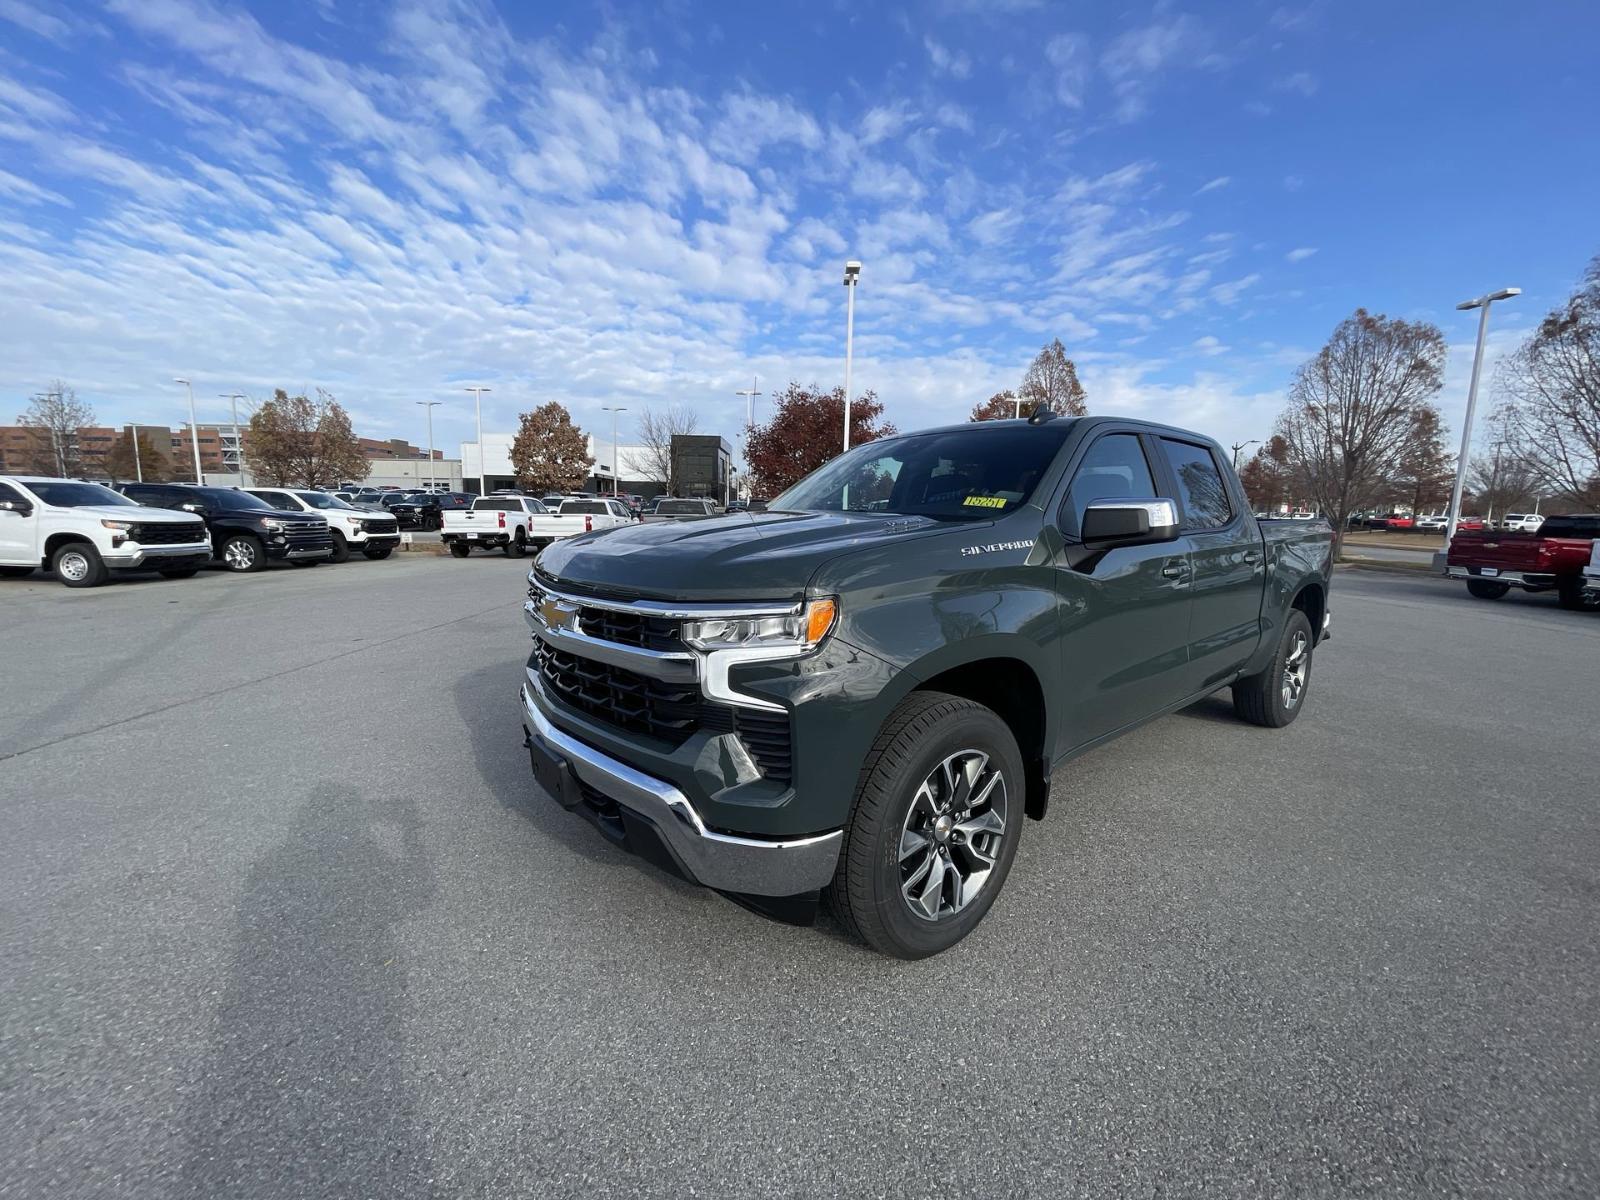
point(341, 548)
point(517, 547)
point(78, 565)
point(460, 549)
point(934, 827)
point(1571, 595)
point(1487, 589)
point(1274, 697)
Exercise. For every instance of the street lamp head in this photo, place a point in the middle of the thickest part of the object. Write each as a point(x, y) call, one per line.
point(1502, 294)
point(852, 270)
point(180, 380)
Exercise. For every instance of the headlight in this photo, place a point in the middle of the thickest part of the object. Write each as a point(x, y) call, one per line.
point(271, 523)
point(124, 526)
point(803, 630)
point(357, 526)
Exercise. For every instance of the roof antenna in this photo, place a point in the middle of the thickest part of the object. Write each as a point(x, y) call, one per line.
point(1041, 413)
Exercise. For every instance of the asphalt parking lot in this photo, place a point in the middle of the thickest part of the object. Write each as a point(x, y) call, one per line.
point(283, 915)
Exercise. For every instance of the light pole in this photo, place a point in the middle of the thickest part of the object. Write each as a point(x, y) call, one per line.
point(194, 431)
point(852, 272)
point(238, 442)
point(477, 395)
point(430, 405)
point(616, 466)
point(749, 395)
point(1482, 302)
point(1238, 446)
point(138, 466)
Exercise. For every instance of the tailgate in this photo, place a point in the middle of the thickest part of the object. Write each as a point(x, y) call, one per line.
point(1503, 551)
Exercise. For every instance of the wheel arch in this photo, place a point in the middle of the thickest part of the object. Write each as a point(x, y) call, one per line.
point(57, 540)
point(1312, 599)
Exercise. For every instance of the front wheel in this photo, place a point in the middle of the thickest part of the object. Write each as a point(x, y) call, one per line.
point(1274, 697)
point(78, 565)
point(241, 552)
point(1487, 589)
point(460, 549)
point(377, 552)
point(341, 548)
point(933, 829)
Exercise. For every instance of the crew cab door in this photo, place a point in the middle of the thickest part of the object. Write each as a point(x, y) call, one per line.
point(1226, 566)
point(1125, 611)
point(19, 531)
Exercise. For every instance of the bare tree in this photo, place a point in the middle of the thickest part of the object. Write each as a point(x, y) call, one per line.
point(57, 414)
point(1552, 386)
point(1353, 410)
point(657, 427)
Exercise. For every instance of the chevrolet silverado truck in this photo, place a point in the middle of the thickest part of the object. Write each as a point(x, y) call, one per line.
point(1551, 560)
point(857, 695)
point(351, 528)
point(1591, 575)
point(246, 533)
point(82, 531)
point(491, 521)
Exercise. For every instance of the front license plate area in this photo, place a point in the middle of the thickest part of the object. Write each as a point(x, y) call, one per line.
point(554, 774)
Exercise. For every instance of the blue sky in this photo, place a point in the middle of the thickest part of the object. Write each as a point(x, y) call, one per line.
point(639, 205)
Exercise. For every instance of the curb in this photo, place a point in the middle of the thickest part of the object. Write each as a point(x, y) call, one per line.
point(1384, 565)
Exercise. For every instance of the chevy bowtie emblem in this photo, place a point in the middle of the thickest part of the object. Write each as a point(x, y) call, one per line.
point(1491, 545)
point(558, 614)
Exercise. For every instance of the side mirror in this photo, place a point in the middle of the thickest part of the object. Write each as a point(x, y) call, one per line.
point(1108, 524)
point(21, 507)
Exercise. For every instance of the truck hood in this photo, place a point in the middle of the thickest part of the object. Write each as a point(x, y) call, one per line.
point(139, 515)
point(737, 556)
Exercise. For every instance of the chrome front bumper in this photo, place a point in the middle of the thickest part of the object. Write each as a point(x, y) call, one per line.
point(753, 866)
point(139, 555)
point(1591, 581)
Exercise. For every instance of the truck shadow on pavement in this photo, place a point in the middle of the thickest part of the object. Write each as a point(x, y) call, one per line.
point(304, 1089)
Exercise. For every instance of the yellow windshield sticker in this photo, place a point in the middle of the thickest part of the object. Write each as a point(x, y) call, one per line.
point(985, 502)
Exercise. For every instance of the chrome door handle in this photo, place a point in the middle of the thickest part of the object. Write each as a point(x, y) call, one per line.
point(1172, 571)
point(1252, 557)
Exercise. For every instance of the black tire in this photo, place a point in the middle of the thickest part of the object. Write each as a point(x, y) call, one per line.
point(341, 548)
point(15, 572)
point(867, 894)
point(1487, 589)
point(1261, 699)
point(377, 553)
point(460, 549)
point(78, 565)
point(517, 547)
point(1569, 592)
point(180, 573)
point(242, 553)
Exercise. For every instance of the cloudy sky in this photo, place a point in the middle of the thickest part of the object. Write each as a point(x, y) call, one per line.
point(638, 205)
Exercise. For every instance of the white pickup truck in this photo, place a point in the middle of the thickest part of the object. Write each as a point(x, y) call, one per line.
point(517, 524)
point(81, 531)
point(1591, 573)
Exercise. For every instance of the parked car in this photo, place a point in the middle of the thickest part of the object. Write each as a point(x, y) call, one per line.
point(246, 533)
point(1591, 575)
point(863, 690)
point(1553, 559)
point(579, 516)
point(352, 528)
point(1521, 522)
point(1437, 523)
point(84, 531)
point(738, 505)
point(492, 521)
point(682, 510)
point(424, 510)
point(371, 498)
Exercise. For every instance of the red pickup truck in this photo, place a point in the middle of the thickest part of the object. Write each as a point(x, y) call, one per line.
point(1551, 560)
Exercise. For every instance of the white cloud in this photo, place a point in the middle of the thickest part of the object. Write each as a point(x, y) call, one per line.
point(1293, 183)
point(1069, 59)
point(956, 63)
point(1221, 181)
point(1229, 293)
point(1301, 82)
point(1300, 253)
point(1209, 346)
point(1135, 60)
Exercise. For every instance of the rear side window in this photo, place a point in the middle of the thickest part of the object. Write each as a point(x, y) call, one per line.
point(1114, 468)
point(276, 499)
point(1200, 486)
point(1578, 525)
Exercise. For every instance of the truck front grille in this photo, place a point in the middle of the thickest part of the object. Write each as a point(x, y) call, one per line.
point(631, 629)
point(305, 535)
point(766, 736)
point(168, 534)
point(618, 697)
point(379, 525)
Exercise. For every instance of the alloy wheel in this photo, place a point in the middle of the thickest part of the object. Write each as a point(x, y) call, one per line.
point(952, 835)
point(240, 555)
point(1295, 667)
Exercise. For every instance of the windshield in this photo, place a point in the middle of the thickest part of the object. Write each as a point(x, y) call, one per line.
point(69, 494)
point(322, 500)
point(955, 475)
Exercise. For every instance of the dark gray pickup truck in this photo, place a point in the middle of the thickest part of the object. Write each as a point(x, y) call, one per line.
point(858, 694)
